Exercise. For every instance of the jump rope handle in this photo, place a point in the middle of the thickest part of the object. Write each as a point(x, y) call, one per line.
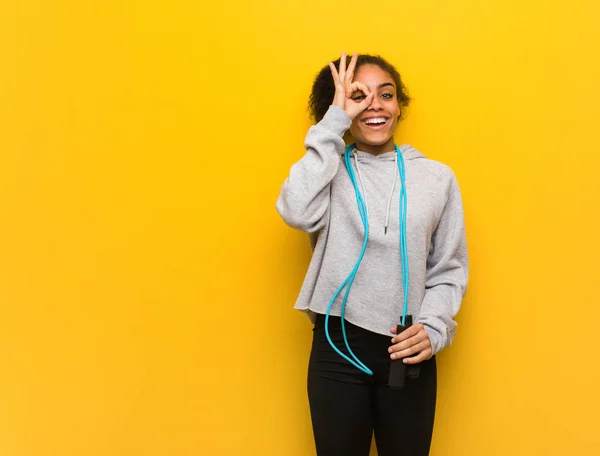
point(398, 370)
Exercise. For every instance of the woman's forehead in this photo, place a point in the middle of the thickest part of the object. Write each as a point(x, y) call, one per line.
point(372, 76)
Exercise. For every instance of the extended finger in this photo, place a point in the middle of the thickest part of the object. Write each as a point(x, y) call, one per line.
point(423, 356)
point(342, 71)
point(420, 347)
point(334, 73)
point(350, 71)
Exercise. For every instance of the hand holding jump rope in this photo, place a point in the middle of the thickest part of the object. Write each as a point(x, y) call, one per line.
point(411, 345)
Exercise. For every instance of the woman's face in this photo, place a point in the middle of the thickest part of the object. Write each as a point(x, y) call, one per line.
point(373, 129)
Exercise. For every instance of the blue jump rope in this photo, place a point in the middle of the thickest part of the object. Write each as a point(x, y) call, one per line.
point(347, 283)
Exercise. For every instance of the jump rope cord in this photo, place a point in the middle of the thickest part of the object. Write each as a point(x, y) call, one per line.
point(389, 204)
point(363, 210)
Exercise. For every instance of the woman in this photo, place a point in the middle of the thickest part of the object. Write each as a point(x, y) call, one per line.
point(387, 230)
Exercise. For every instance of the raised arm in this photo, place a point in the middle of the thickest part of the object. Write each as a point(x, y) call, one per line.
point(304, 198)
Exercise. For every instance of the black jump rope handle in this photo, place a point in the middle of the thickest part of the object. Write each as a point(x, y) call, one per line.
point(398, 370)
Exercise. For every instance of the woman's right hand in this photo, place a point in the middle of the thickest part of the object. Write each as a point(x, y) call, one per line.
point(345, 88)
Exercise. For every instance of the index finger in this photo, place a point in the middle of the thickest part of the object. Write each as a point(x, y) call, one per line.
point(406, 334)
point(334, 73)
point(359, 86)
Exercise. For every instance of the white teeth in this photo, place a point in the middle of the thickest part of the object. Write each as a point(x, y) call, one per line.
point(377, 120)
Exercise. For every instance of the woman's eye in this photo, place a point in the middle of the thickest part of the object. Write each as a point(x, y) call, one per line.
point(358, 97)
point(387, 96)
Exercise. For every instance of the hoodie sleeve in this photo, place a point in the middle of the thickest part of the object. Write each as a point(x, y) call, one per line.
point(447, 273)
point(304, 198)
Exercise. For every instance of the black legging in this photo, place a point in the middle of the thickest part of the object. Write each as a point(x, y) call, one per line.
point(347, 405)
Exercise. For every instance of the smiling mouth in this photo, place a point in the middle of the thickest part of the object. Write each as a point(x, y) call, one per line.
point(376, 122)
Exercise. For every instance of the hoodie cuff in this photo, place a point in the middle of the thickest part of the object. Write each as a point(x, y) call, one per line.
point(336, 120)
point(434, 338)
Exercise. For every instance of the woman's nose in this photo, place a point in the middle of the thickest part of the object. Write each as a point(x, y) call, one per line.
point(376, 103)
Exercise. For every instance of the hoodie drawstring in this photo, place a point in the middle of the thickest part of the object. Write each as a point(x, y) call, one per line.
point(362, 184)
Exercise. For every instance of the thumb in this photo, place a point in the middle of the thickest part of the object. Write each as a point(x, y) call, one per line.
point(366, 102)
point(393, 330)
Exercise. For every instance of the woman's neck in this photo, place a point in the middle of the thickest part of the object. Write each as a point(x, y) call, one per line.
point(389, 146)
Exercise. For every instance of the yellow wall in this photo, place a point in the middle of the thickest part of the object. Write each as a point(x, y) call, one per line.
point(147, 283)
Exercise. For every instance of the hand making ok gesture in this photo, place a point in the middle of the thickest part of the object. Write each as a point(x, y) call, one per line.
point(345, 88)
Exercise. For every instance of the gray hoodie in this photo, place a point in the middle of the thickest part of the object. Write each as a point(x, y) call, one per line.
point(318, 198)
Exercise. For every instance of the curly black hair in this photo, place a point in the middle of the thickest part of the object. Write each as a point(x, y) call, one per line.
point(323, 89)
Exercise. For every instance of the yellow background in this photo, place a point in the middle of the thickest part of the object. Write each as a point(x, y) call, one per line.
point(147, 282)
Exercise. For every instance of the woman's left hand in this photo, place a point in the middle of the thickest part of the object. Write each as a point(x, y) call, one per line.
point(412, 340)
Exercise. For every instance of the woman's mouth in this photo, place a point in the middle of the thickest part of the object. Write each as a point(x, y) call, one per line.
point(376, 123)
